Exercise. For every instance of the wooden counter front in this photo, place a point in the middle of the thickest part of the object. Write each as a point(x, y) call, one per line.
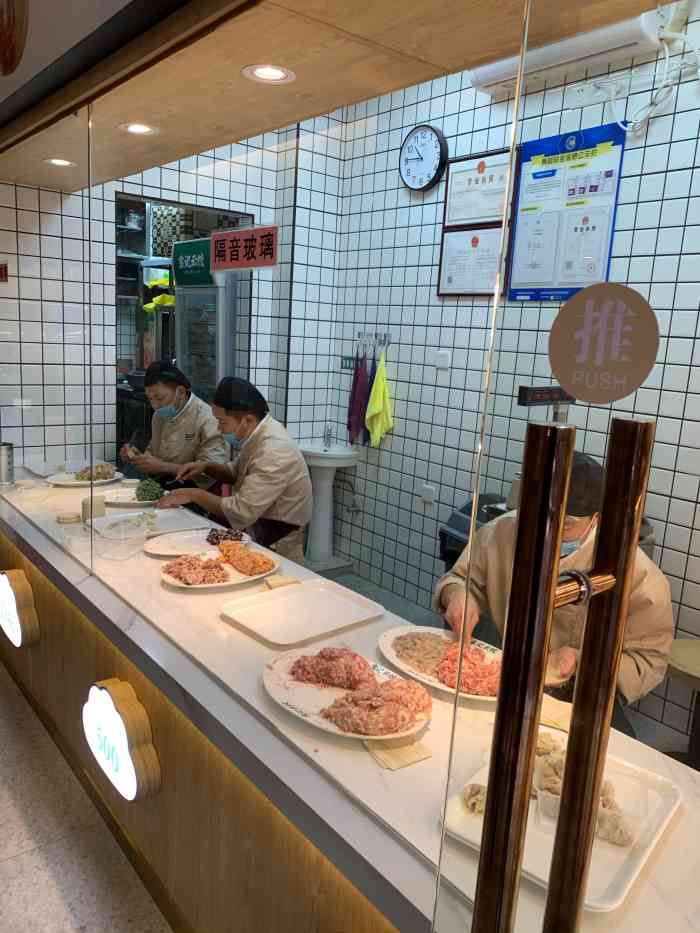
point(215, 853)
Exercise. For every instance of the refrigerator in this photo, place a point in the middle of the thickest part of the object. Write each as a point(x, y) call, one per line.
point(212, 319)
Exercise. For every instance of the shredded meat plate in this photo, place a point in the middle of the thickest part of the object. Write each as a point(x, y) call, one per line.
point(196, 571)
point(479, 675)
point(244, 559)
point(382, 709)
point(333, 667)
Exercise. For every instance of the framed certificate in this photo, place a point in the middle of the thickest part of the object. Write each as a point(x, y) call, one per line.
point(469, 261)
point(476, 188)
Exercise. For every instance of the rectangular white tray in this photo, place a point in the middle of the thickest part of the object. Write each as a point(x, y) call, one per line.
point(613, 868)
point(300, 613)
point(166, 521)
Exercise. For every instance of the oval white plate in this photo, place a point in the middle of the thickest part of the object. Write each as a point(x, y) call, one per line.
point(305, 701)
point(234, 577)
point(68, 479)
point(178, 543)
point(126, 499)
point(386, 642)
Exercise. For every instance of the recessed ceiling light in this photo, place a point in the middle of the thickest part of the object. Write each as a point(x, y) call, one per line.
point(60, 163)
point(138, 129)
point(268, 74)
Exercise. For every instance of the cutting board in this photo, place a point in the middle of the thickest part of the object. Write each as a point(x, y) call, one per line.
point(297, 615)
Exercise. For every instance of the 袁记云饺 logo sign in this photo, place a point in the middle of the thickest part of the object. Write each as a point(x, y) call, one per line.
point(603, 343)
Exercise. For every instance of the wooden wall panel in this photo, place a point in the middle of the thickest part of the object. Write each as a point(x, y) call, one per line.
point(216, 854)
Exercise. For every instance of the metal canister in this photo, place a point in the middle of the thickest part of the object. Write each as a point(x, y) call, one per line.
point(7, 464)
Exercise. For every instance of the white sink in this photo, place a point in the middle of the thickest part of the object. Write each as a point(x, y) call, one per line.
point(323, 460)
point(335, 456)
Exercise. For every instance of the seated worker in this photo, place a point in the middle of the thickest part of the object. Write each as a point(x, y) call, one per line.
point(649, 630)
point(183, 428)
point(271, 494)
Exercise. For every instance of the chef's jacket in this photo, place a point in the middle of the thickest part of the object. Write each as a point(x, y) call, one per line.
point(193, 434)
point(649, 630)
point(270, 480)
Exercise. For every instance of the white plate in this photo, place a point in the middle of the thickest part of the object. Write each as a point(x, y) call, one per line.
point(301, 613)
point(234, 577)
point(126, 499)
point(68, 479)
point(613, 868)
point(305, 701)
point(177, 543)
point(386, 641)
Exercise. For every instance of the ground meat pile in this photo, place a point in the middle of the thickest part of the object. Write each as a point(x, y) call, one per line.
point(333, 667)
point(195, 571)
point(422, 651)
point(217, 535)
point(244, 559)
point(382, 709)
point(479, 675)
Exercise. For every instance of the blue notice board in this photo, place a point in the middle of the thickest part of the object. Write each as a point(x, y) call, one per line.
point(564, 219)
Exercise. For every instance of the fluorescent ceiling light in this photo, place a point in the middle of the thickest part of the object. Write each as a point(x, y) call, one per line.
point(138, 129)
point(60, 163)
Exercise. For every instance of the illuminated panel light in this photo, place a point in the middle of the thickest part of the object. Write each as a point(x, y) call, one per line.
point(138, 129)
point(268, 74)
point(59, 163)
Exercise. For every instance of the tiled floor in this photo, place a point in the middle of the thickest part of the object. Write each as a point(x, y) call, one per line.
point(60, 869)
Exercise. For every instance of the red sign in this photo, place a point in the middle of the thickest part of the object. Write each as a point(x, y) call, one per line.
point(244, 249)
point(3, 272)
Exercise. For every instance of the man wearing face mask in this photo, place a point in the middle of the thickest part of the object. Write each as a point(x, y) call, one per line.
point(271, 494)
point(649, 630)
point(183, 428)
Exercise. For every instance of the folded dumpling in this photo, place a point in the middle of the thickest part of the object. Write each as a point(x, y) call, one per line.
point(613, 827)
point(474, 797)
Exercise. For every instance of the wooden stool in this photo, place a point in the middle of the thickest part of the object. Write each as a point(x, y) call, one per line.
point(684, 663)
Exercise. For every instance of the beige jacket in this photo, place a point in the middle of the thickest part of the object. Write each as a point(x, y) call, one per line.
point(649, 631)
point(270, 480)
point(193, 434)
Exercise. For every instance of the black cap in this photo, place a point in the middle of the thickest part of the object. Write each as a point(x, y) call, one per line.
point(162, 371)
point(586, 487)
point(235, 394)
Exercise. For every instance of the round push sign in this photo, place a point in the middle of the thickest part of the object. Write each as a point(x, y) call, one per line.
point(603, 343)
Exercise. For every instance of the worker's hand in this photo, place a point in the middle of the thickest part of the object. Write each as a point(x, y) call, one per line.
point(125, 452)
point(174, 499)
point(454, 615)
point(191, 470)
point(147, 463)
point(563, 660)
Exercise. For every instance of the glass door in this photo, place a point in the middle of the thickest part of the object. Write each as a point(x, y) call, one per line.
point(195, 338)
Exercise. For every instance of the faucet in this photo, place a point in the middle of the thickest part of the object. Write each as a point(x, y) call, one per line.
point(328, 435)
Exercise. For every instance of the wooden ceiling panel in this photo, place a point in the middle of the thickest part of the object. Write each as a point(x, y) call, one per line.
point(341, 52)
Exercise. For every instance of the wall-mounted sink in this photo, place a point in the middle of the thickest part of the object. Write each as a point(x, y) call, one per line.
point(323, 460)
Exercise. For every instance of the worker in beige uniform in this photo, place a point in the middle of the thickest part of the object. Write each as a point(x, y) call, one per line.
point(649, 629)
point(271, 495)
point(183, 429)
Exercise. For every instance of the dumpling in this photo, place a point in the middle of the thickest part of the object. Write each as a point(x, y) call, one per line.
point(549, 771)
point(474, 797)
point(613, 827)
point(547, 743)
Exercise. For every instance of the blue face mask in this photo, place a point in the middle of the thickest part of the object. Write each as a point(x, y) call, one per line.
point(167, 412)
point(568, 547)
point(236, 443)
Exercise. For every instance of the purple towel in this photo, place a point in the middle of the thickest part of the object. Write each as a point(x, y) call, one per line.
point(359, 402)
point(370, 383)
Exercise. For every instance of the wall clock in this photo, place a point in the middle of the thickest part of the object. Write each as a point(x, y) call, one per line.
point(422, 158)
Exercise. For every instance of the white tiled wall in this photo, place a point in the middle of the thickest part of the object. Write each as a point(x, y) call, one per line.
point(57, 312)
point(385, 277)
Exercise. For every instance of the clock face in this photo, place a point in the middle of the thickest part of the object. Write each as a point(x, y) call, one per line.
point(422, 158)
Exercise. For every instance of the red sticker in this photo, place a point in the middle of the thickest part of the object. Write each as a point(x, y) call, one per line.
point(475, 241)
point(481, 167)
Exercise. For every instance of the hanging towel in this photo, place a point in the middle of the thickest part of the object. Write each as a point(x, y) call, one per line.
point(353, 393)
point(359, 405)
point(370, 383)
point(380, 410)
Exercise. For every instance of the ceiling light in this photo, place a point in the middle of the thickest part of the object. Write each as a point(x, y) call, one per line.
point(138, 129)
point(268, 74)
point(59, 163)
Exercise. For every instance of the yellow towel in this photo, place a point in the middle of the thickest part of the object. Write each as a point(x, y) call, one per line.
point(379, 417)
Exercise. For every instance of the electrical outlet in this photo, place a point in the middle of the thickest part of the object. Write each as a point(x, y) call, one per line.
point(347, 362)
point(427, 493)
